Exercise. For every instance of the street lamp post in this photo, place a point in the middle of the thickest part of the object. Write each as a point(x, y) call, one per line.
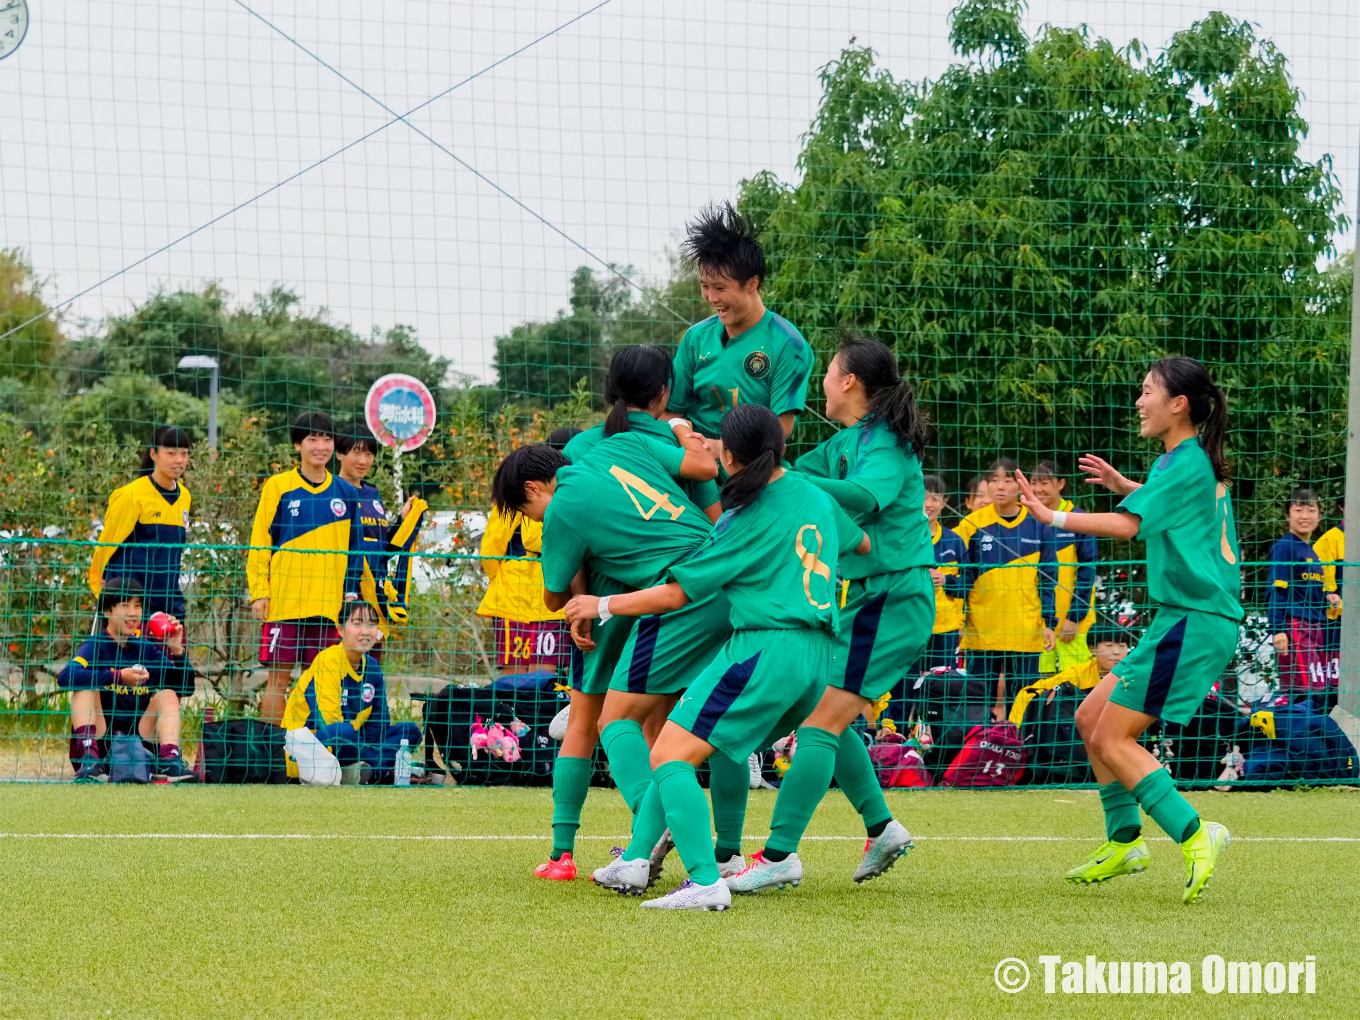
point(203, 361)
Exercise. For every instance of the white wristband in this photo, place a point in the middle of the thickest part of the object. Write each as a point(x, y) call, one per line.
point(604, 608)
point(1059, 519)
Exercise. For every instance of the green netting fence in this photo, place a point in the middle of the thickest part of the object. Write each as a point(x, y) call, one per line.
point(448, 665)
point(1029, 204)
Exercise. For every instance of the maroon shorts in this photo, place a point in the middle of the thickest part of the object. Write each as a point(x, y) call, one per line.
point(1307, 666)
point(290, 642)
point(545, 642)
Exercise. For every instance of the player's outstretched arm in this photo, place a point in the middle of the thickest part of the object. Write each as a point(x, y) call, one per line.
point(1120, 525)
point(663, 598)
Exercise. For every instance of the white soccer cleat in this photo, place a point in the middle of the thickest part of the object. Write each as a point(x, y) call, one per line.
point(626, 877)
point(882, 852)
point(761, 874)
point(732, 866)
point(692, 896)
point(657, 860)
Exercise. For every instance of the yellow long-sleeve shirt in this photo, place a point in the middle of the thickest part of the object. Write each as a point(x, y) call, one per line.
point(305, 553)
point(515, 589)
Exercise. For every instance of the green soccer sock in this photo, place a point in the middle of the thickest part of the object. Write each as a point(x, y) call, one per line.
point(1123, 823)
point(629, 760)
point(857, 779)
point(1158, 795)
point(687, 816)
point(571, 783)
point(649, 824)
point(804, 786)
point(729, 782)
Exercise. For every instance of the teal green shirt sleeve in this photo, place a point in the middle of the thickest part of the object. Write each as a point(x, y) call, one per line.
point(880, 471)
point(719, 560)
point(792, 369)
point(705, 494)
point(1164, 499)
point(671, 457)
point(682, 392)
point(563, 553)
point(847, 495)
point(848, 533)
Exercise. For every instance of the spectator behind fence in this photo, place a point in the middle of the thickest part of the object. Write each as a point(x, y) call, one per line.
point(1009, 572)
point(1076, 556)
point(529, 635)
point(304, 560)
point(145, 527)
point(386, 581)
point(979, 493)
point(950, 551)
point(1296, 603)
point(1331, 550)
point(1108, 649)
point(121, 683)
point(336, 717)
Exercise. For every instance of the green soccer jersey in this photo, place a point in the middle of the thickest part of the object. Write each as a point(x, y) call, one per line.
point(776, 558)
point(769, 364)
point(622, 514)
point(870, 457)
point(1187, 523)
point(703, 494)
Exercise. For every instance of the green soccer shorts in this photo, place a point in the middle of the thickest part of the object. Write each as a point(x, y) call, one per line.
point(664, 653)
point(760, 682)
point(1169, 673)
point(886, 622)
point(590, 671)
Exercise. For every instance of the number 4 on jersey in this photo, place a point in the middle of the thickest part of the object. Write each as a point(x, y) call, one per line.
point(635, 486)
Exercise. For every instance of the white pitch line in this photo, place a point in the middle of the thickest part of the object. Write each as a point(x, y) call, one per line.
point(448, 838)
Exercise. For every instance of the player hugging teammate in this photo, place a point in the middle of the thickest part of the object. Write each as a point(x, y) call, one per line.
point(699, 642)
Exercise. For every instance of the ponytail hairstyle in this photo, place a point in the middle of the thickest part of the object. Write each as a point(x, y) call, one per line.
point(1186, 377)
point(892, 401)
point(754, 436)
point(637, 375)
point(169, 437)
point(535, 463)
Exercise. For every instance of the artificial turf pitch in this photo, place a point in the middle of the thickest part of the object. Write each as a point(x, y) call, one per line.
point(317, 918)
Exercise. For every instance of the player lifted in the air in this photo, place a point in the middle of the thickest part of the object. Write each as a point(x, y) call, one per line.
point(744, 354)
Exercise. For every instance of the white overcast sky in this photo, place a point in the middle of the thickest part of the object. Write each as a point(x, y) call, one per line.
point(124, 126)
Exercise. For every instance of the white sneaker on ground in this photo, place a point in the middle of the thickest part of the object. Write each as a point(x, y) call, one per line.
point(732, 866)
point(758, 780)
point(626, 877)
point(692, 896)
point(882, 852)
point(762, 874)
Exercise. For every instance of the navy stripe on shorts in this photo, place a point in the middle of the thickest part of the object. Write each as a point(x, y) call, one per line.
point(862, 635)
point(1164, 668)
point(578, 667)
point(640, 668)
point(725, 692)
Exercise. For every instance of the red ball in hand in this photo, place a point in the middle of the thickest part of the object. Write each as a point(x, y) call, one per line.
point(161, 625)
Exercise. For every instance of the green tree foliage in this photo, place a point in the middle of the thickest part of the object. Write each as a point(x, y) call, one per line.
point(27, 353)
point(544, 363)
point(274, 358)
point(1052, 214)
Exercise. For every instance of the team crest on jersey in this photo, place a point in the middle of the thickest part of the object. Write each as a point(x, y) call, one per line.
point(843, 469)
point(366, 693)
point(757, 364)
point(377, 505)
point(338, 507)
point(184, 516)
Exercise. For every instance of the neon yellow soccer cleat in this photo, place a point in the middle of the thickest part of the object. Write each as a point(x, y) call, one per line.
point(1110, 861)
point(1202, 851)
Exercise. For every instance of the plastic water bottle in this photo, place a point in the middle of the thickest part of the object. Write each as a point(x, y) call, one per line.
point(401, 775)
